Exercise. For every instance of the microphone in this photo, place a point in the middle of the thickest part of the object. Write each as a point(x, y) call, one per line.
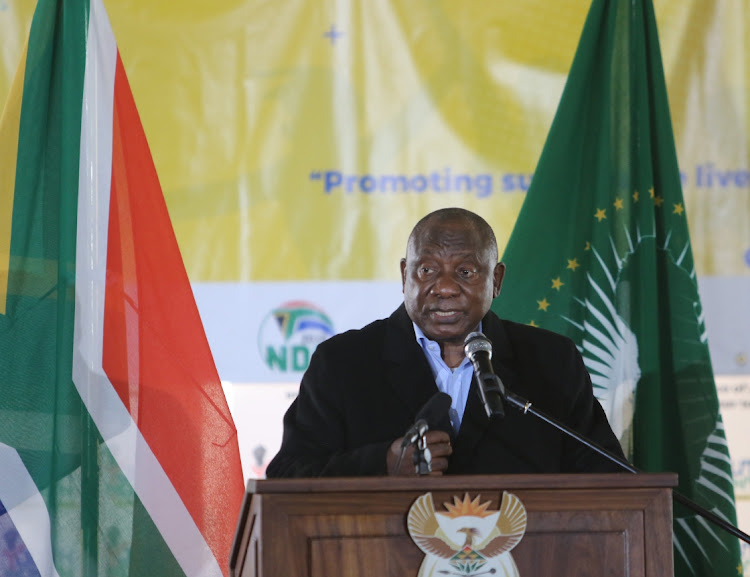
point(478, 349)
point(433, 415)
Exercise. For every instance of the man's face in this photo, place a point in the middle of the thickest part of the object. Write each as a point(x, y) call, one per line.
point(449, 279)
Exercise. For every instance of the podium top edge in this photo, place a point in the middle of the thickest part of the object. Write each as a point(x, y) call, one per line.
point(463, 483)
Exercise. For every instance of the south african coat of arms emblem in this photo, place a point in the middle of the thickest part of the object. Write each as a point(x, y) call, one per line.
point(467, 540)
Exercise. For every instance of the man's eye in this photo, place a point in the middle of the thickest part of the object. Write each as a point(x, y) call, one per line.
point(425, 270)
point(466, 272)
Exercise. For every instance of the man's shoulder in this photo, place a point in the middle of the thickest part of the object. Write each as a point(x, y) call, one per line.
point(365, 338)
point(355, 338)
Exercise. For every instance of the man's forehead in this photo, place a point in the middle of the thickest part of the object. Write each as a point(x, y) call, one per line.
point(446, 250)
point(452, 234)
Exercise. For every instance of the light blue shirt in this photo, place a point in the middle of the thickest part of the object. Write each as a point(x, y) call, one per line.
point(456, 382)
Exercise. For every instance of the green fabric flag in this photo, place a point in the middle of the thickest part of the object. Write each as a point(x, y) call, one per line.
point(601, 253)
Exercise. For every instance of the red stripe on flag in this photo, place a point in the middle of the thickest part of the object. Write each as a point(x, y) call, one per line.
point(155, 350)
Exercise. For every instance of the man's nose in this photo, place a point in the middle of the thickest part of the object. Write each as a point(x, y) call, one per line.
point(446, 285)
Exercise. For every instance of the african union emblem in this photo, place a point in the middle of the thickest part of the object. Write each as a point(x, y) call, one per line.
point(467, 540)
point(290, 333)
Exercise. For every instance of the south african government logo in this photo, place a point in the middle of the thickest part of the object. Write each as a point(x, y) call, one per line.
point(289, 334)
point(467, 539)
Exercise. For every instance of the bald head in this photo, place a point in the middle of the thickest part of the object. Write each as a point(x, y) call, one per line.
point(430, 227)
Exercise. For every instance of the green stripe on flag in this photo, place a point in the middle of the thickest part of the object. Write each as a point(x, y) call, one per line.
point(149, 554)
point(601, 253)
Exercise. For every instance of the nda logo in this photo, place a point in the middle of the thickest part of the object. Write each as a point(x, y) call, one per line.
point(290, 333)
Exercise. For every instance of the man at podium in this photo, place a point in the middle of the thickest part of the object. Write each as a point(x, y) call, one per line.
point(364, 389)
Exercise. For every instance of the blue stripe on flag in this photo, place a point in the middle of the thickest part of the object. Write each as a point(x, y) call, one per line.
point(15, 559)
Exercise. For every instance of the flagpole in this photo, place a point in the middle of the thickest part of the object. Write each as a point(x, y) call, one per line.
point(90, 508)
point(526, 407)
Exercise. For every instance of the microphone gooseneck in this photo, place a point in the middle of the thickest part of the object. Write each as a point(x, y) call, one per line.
point(432, 415)
point(417, 430)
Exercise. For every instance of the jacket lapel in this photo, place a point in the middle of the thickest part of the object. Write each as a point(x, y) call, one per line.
point(407, 371)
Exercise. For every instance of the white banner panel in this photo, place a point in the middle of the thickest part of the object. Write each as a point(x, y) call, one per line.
point(734, 396)
point(265, 332)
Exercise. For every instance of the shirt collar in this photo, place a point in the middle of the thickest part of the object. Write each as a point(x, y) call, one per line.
point(422, 338)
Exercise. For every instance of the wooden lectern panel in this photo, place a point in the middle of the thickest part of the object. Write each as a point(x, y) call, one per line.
point(583, 525)
point(364, 556)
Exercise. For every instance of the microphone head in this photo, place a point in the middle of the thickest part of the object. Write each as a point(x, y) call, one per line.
point(435, 412)
point(476, 342)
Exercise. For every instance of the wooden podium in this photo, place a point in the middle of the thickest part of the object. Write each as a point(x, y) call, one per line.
point(577, 525)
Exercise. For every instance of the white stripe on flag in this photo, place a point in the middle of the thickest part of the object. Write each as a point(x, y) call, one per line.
point(124, 440)
point(27, 509)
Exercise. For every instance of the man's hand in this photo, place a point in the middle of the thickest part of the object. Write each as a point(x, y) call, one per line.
point(439, 444)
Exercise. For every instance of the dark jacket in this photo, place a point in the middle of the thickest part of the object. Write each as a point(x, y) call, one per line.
point(364, 388)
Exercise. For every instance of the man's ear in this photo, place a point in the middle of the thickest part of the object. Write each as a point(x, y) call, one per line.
point(497, 278)
point(403, 274)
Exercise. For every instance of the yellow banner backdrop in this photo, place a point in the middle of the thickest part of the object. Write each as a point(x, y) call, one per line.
point(300, 140)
